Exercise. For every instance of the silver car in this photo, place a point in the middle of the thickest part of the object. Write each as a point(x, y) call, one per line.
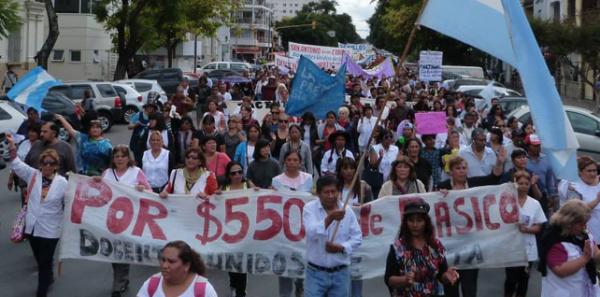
point(585, 124)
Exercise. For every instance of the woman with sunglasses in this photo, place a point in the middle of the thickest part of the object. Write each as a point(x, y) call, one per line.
point(93, 150)
point(43, 221)
point(123, 170)
point(193, 179)
point(295, 143)
point(280, 136)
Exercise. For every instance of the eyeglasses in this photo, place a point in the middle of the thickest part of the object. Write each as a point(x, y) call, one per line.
point(232, 173)
point(48, 163)
point(120, 156)
point(388, 137)
point(283, 121)
point(192, 157)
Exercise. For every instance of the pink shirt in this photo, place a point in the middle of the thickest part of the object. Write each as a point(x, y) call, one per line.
point(218, 163)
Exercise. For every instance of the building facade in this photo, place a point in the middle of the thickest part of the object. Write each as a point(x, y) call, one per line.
point(286, 8)
point(251, 35)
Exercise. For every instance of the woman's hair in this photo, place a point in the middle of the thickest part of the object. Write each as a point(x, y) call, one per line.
point(309, 116)
point(35, 127)
point(188, 256)
point(405, 233)
point(344, 163)
point(291, 152)
point(412, 175)
point(155, 133)
point(198, 152)
point(49, 153)
point(517, 152)
point(498, 132)
point(227, 179)
point(408, 141)
point(297, 127)
point(572, 212)
point(493, 110)
point(257, 148)
point(187, 119)
point(453, 113)
point(253, 126)
point(331, 113)
point(585, 161)
point(455, 162)
point(519, 174)
point(123, 150)
point(208, 119)
point(94, 123)
point(160, 121)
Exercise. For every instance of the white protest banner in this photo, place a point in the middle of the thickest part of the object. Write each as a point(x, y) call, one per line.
point(290, 63)
point(324, 56)
point(260, 232)
point(358, 51)
point(430, 65)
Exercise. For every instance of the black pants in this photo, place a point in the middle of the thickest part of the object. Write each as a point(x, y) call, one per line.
point(238, 282)
point(467, 282)
point(517, 280)
point(43, 251)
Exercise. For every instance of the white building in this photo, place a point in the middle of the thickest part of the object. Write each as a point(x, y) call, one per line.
point(287, 8)
point(22, 45)
point(251, 36)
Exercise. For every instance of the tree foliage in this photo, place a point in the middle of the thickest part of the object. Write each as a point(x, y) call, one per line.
point(9, 17)
point(391, 25)
point(327, 19)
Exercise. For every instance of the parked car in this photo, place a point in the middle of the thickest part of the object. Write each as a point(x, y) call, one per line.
point(219, 74)
point(11, 115)
point(135, 100)
point(510, 103)
point(144, 87)
point(585, 124)
point(457, 83)
point(109, 104)
point(475, 90)
point(168, 78)
point(212, 66)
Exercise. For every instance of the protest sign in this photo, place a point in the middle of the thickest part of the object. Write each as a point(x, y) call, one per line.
point(430, 65)
point(260, 232)
point(358, 51)
point(431, 122)
point(289, 63)
point(324, 56)
point(381, 71)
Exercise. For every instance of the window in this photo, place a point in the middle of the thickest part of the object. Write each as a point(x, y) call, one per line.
point(149, 75)
point(170, 76)
point(555, 11)
point(284, 4)
point(120, 90)
point(238, 66)
point(142, 87)
point(222, 66)
point(58, 55)
point(582, 123)
point(526, 118)
point(77, 91)
point(106, 90)
point(4, 115)
point(54, 104)
point(211, 66)
point(284, 11)
point(75, 55)
point(66, 6)
point(63, 90)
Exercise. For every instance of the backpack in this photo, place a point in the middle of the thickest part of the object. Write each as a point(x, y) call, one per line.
point(199, 287)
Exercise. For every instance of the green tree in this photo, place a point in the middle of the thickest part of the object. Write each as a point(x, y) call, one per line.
point(326, 19)
point(9, 17)
point(391, 25)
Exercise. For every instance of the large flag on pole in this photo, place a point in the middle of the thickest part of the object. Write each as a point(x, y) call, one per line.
point(500, 28)
point(316, 91)
point(31, 89)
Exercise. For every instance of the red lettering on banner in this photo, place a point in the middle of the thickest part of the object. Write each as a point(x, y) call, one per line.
point(365, 211)
point(376, 218)
point(231, 215)
point(488, 201)
point(121, 205)
point(263, 213)
point(287, 230)
point(203, 211)
point(442, 217)
point(477, 213)
point(462, 230)
point(146, 219)
point(511, 217)
point(82, 198)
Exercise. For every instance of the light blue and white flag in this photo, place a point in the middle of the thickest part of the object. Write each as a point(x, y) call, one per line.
point(500, 28)
point(488, 93)
point(315, 90)
point(31, 89)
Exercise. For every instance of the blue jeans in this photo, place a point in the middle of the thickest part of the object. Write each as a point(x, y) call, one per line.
point(331, 284)
point(356, 288)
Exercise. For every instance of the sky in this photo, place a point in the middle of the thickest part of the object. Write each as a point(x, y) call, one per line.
point(360, 11)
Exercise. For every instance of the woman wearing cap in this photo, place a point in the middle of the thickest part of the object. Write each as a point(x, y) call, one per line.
point(157, 162)
point(264, 168)
point(531, 218)
point(337, 141)
point(193, 179)
point(215, 161)
point(568, 254)
point(403, 179)
point(296, 144)
point(416, 261)
point(93, 150)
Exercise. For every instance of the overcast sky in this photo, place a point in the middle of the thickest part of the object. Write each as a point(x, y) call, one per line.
point(360, 11)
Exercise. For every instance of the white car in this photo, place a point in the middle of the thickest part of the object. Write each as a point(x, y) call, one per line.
point(145, 86)
point(498, 91)
point(237, 66)
point(133, 99)
point(11, 116)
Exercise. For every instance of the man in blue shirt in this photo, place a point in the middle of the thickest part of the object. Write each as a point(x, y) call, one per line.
point(540, 166)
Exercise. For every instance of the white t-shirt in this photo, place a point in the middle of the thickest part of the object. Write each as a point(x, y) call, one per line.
point(389, 156)
point(531, 213)
point(209, 292)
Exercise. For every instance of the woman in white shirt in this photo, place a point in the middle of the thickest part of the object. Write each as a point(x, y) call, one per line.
point(33, 134)
point(292, 178)
point(182, 274)
point(387, 153)
point(531, 218)
point(43, 221)
point(123, 170)
point(364, 128)
point(218, 115)
point(193, 179)
point(157, 162)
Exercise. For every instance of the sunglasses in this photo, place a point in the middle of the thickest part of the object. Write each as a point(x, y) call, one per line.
point(283, 121)
point(232, 173)
point(48, 163)
point(388, 137)
point(191, 157)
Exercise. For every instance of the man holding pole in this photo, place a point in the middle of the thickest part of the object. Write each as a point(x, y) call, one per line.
point(328, 255)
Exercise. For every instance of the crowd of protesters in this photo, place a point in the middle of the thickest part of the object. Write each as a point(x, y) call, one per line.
point(195, 145)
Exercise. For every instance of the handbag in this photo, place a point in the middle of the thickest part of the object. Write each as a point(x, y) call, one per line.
point(17, 233)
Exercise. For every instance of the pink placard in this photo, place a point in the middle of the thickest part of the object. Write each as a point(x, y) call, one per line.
point(431, 122)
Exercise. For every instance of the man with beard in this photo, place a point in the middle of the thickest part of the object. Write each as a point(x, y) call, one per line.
point(49, 140)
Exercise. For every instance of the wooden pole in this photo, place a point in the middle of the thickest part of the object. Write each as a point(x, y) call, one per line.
point(409, 42)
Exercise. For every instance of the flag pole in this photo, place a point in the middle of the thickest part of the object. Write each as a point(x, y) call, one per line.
point(387, 97)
